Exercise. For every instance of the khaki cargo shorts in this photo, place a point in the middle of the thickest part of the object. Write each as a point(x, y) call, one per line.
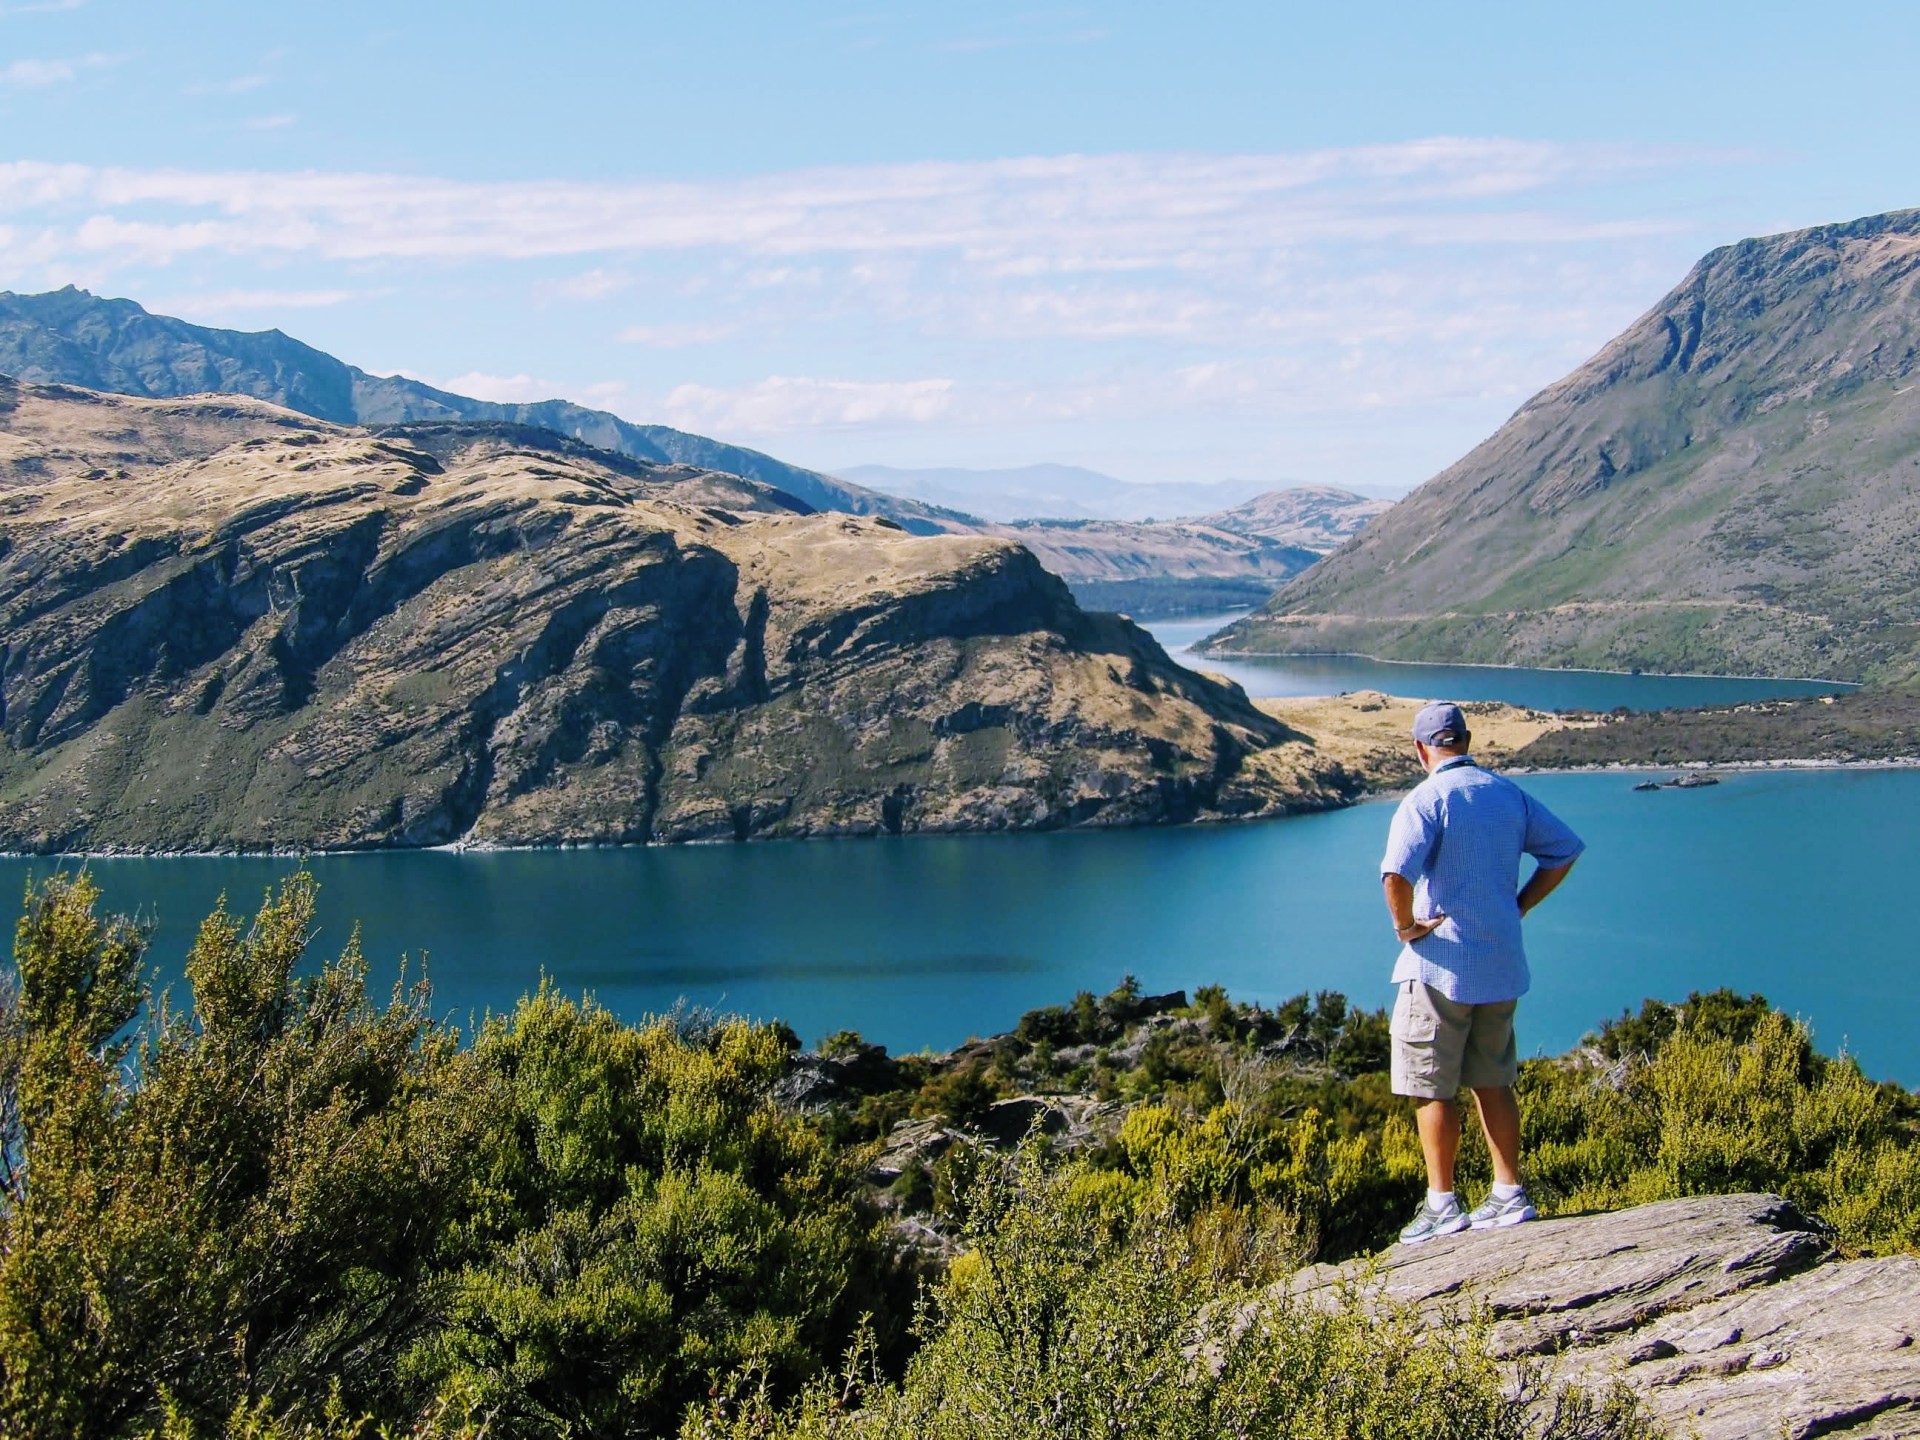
point(1440, 1044)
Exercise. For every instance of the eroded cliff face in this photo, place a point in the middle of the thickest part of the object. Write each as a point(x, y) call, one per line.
point(319, 636)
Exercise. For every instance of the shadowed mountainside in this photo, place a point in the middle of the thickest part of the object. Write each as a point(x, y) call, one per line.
point(226, 625)
point(1732, 486)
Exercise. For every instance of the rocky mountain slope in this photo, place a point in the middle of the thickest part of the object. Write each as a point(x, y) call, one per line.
point(1730, 1316)
point(1731, 486)
point(1320, 518)
point(71, 337)
point(1078, 550)
point(223, 624)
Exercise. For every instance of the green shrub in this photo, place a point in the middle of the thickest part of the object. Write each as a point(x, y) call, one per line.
point(285, 1207)
point(1734, 1097)
point(249, 1210)
point(1060, 1322)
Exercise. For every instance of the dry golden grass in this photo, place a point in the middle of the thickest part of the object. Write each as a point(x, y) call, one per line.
point(1371, 734)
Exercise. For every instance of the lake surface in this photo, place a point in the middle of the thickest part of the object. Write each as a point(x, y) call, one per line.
point(1286, 675)
point(1793, 884)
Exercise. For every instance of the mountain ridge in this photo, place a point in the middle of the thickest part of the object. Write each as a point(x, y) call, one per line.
point(71, 336)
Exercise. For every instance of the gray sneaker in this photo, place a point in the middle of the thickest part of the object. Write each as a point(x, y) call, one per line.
point(1449, 1219)
point(1494, 1213)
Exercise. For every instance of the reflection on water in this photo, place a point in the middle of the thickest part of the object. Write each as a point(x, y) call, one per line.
point(1288, 675)
point(1791, 884)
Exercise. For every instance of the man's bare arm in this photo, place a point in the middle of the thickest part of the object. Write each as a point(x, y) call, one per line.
point(1399, 892)
point(1542, 883)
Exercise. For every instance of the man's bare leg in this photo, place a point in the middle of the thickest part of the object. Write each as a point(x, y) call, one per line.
point(1500, 1119)
point(1438, 1122)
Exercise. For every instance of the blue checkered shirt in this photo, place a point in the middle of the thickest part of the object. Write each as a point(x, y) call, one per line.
point(1459, 837)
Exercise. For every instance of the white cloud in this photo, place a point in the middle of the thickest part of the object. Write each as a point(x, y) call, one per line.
point(41, 7)
point(671, 337)
point(594, 284)
point(270, 122)
point(789, 402)
point(239, 302)
point(1110, 211)
point(1121, 293)
point(32, 74)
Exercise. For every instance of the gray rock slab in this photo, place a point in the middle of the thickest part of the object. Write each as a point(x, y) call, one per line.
point(1728, 1315)
point(1832, 1351)
point(1571, 1281)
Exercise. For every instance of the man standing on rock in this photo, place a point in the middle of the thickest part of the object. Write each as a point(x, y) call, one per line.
point(1450, 871)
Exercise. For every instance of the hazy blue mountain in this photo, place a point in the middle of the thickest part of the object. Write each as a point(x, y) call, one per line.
point(1052, 492)
point(72, 337)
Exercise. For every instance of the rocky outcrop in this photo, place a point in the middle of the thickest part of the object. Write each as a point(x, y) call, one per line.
point(257, 630)
point(1730, 1316)
point(1731, 486)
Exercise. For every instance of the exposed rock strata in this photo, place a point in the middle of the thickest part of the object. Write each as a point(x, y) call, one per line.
point(1729, 1315)
point(319, 636)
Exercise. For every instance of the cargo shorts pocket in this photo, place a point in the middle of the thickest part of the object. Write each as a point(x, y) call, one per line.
point(1412, 1021)
point(1422, 1063)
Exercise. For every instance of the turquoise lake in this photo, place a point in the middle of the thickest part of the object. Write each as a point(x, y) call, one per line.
point(1793, 884)
point(1286, 675)
point(1790, 883)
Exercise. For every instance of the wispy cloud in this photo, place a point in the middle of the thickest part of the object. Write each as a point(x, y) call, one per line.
point(785, 403)
point(270, 122)
point(40, 7)
point(671, 337)
point(221, 303)
point(1066, 210)
point(1039, 291)
point(594, 284)
point(28, 74)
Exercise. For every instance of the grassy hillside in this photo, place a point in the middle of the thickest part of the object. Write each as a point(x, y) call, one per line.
point(1732, 486)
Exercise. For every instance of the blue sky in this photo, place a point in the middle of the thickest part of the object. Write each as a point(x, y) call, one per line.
point(1332, 244)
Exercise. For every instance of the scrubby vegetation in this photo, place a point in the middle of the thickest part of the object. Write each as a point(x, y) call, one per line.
point(288, 1197)
point(272, 1207)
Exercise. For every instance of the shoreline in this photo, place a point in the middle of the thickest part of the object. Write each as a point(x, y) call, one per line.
point(1615, 767)
point(1846, 685)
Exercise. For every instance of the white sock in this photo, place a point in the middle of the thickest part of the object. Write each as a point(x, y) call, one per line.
point(1441, 1199)
point(1507, 1192)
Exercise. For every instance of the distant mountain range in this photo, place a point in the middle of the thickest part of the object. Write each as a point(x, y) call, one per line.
point(1051, 492)
point(1071, 492)
point(1731, 486)
point(72, 337)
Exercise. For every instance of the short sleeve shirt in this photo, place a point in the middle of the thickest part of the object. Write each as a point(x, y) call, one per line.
point(1459, 837)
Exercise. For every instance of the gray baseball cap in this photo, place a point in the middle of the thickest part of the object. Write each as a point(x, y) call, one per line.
point(1440, 723)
